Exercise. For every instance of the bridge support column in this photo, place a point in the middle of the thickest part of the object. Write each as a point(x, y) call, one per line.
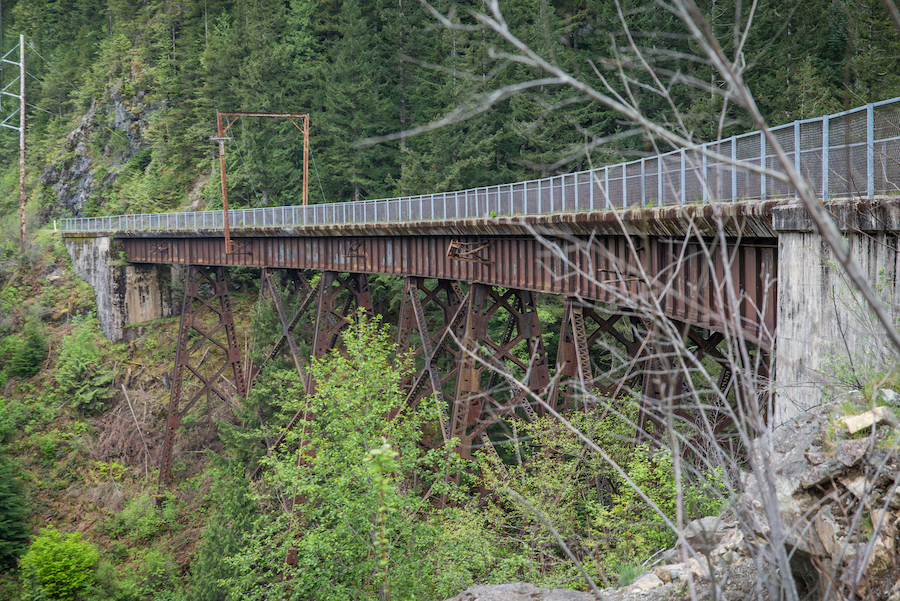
point(299, 289)
point(483, 360)
point(433, 347)
point(353, 291)
point(828, 339)
point(207, 347)
point(127, 294)
point(622, 341)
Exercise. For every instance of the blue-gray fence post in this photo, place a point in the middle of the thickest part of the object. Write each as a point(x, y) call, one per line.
point(624, 185)
point(683, 189)
point(797, 153)
point(606, 187)
point(825, 147)
point(552, 199)
point(762, 163)
point(870, 151)
point(734, 169)
point(659, 180)
point(643, 183)
point(704, 183)
point(593, 182)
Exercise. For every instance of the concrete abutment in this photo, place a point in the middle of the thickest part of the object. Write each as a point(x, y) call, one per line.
point(126, 293)
point(827, 338)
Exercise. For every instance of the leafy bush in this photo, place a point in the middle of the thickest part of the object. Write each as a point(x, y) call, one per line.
point(59, 566)
point(142, 520)
point(79, 371)
point(629, 528)
point(362, 521)
point(13, 529)
point(151, 576)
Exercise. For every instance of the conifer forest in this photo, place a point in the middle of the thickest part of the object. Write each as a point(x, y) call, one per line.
point(404, 98)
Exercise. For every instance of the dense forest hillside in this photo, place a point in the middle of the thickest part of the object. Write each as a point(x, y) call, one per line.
point(122, 97)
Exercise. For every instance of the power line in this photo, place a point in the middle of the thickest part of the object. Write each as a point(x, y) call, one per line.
point(53, 68)
point(40, 109)
point(317, 174)
point(40, 81)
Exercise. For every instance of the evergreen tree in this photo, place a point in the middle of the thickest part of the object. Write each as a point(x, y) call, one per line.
point(234, 517)
point(13, 527)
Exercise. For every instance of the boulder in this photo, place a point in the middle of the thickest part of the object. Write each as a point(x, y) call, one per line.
point(878, 415)
point(520, 591)
point(646, 582)
point(706, 533)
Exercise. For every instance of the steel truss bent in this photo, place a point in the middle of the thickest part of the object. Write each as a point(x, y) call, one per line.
point(479, 352)
point(666, 390)
point(328, 322)
point(207, 346)
point(480, 401)
point(300, 291)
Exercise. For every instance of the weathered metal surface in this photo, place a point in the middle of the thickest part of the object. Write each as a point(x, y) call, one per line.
point(206, 348)
point(479, 402)
point(330, 317)
point(687, 276)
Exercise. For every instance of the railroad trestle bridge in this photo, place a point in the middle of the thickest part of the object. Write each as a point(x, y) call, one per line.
point(703, 248)
point(617, 273)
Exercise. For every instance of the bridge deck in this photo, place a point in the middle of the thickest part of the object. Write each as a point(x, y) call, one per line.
point(616, 259)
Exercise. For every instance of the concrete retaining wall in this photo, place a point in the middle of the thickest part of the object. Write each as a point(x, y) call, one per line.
point(126, 294)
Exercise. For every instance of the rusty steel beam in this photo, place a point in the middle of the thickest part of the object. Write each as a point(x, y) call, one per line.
point(330, 319)
point(479, 402)
point(205, 350)
point(688, 278)
point(302, 290)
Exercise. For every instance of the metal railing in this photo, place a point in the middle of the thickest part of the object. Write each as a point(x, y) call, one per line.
point(853, 153)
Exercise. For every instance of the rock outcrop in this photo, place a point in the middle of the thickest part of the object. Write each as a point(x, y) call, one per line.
point(837, 516)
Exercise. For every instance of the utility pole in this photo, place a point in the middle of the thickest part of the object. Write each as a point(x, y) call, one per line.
point(21, 128)
point(222, 137)
point(22, 139)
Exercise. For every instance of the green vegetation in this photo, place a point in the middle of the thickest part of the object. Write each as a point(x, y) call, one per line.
point(59, 566)
point(13, 527)
point(24, 353)
point(80, 372)
point(122, 102)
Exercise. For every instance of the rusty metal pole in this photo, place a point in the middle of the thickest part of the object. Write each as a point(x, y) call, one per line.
point(221, 139)
point(305, 159)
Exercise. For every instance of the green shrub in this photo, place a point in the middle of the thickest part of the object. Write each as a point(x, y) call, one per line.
point(59, 566)
point(79, 370)
point(142, 520)
point(150, 576)
point(629, 528)
point(26, 352)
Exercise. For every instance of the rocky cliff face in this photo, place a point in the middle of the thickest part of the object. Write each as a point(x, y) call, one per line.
point(72, 175)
